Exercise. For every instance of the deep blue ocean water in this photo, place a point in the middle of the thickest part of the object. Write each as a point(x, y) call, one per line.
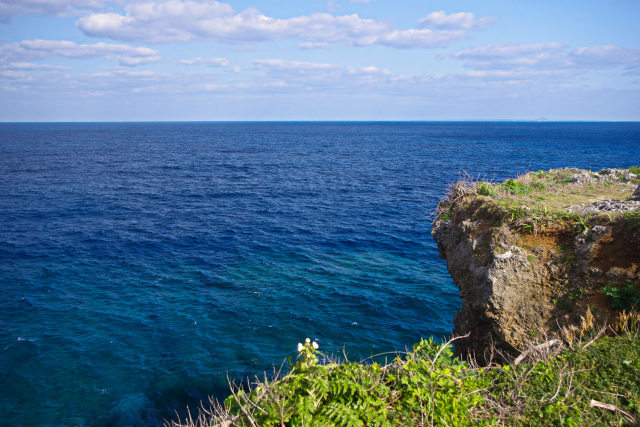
point(142, 263)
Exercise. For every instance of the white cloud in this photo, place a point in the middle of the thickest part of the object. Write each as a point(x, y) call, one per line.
point(214, 62)
point(297, 66)
point(265, 77)
point(507, 50)
point(307, 71)
point(172, 21)
point(38, 49)
point(407, 39)
point(320, 77)
point(313, 45)
point(333, 6)
point(606, 56)
point(120, 73)
point(510, 55)
point(455, 21)
point(551, 56)
point(31, 66)
point(295, 89)
point(11, 8)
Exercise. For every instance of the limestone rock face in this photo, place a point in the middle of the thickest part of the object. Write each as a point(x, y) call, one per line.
point(516, 286)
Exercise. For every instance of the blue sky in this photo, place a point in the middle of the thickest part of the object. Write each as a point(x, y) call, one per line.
point(101, 60)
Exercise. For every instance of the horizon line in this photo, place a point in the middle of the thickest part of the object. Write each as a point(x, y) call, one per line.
point(321, 121)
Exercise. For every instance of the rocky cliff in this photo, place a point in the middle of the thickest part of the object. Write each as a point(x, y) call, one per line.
point(532, 254)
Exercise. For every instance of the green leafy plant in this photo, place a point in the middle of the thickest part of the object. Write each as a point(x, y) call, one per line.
point(582, 227)
point(486, 189)
point(515, 187)
point(625, 297)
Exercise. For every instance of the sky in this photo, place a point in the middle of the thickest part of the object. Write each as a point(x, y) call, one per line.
point(206, 60)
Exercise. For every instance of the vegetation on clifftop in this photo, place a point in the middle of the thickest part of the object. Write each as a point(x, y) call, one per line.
point(595, 381)
point(547, 198)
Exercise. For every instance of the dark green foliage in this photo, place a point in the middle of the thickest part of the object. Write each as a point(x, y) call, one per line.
point(635, 170)
point(624, 297)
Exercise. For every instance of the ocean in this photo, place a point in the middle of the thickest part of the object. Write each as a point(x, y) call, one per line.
point(143, 264)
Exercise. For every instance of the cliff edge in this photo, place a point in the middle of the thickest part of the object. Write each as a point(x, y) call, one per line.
point(533, 254)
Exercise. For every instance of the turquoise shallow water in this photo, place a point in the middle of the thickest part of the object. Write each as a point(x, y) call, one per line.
point(142, 263)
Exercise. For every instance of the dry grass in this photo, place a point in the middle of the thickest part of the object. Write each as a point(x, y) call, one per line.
point(211, 414)
point(555, 189)
point(544, 200)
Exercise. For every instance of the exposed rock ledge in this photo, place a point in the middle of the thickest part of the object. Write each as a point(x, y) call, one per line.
point(531, 254)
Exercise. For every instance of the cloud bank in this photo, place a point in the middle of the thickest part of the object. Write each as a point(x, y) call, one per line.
point(38, 49)
point(551, 56)
point(179, 21)
point(458, 21)
point(11, 8)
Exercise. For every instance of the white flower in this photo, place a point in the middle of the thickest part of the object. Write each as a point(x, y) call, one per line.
point(315, 345)
point(299, 347)
point(307, 340)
